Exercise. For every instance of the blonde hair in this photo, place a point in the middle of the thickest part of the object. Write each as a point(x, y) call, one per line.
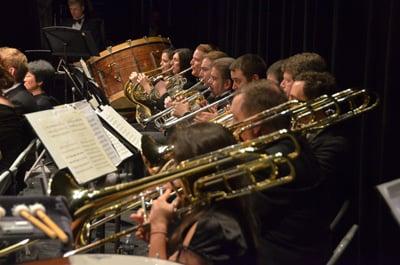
point(11, 57)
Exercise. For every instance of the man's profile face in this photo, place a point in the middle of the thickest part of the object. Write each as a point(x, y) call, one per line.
point(217, 83)
point(205, 71)
point(196, 62)
point(239, 115)
point(297, 91)
point(287, 83)
point(76, 11)
point(238, 78)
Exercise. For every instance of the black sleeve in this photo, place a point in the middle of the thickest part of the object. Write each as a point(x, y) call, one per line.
point(219, 239)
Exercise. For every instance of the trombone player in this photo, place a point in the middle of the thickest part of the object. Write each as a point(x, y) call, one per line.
point(331, 145)
point(291, 222)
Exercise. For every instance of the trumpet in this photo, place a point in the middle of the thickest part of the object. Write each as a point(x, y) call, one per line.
point(215, 168)
point(174, 120)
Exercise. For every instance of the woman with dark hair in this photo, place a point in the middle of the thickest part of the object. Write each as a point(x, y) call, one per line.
point(37, 80)
point(212, 234)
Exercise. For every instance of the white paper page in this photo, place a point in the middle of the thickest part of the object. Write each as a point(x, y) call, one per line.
point(68, 136)
point(115, 120)
point(391, 193)
point(50, 131)
point(98, 129)
point(121, 149)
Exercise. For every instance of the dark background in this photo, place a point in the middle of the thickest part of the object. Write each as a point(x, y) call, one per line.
point(360, 40)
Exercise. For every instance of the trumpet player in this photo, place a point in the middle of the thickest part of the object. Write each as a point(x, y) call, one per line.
point(221, 86)
point(291, 221)
point(182, 106)
point(215, 234)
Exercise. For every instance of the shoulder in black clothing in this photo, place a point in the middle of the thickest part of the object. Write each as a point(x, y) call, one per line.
point(45, 102)
point(219, 239)
point(23, 100)
point(292, 228)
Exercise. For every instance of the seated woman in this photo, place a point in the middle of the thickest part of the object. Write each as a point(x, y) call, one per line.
point(213, 234)
point(155, 94)
point(37, 80)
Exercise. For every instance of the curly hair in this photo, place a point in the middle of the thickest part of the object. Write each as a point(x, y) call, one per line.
point(304, 62)
point(317, 84)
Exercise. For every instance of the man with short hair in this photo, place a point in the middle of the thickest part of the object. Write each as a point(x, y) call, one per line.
point(15, 62)
point(310, 85)
point(292, 229)
point(81, 21)
point(331, 145)
point(247, 68)
point(198, 55)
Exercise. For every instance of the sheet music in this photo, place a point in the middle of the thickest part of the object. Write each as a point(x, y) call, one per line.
point(115, 120)
point(99, 131)
point(390, 191)
point(121, 149)
point(70, 140)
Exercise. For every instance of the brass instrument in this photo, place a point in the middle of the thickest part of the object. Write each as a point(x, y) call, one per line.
point(143, 100)
point(174, 120)
point(218, 167)
point(311, 115)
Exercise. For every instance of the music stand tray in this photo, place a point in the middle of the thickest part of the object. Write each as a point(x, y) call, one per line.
point(70, 42)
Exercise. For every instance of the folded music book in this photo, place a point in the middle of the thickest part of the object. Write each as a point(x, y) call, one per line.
point(75, 138)
point(120, 125)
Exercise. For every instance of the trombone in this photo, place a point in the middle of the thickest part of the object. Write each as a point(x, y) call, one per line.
point(219, 168)
point(312, 115)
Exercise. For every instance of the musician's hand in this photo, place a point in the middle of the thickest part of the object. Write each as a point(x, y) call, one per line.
point(180, 108)
point(162, 212)
point(168, 102)
point(203, 103)
point(205, 116)
point(141, 232)
point(144, 82)
point(161, 87)
point(133, 77)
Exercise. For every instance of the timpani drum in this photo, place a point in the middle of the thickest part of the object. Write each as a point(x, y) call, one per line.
point(102, 259)
point(112, 68)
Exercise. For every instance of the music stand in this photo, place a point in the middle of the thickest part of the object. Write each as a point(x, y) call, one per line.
point(69, 42)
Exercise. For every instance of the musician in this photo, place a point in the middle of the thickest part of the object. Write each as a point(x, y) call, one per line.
point(247, 68)
point(206, 64)
point(37, 80)
point(198, 55)
point(331, 146)
point(214, 234)
point(182, 106)
point(291, 223)
point(274, 72)
point(156, 95)
point(299, 63)
point(13, 134)
point(80, 21)
point(15, 62)
point(166, 61)
point(221, 86)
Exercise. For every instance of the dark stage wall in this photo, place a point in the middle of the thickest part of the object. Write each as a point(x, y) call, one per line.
point(360, 39)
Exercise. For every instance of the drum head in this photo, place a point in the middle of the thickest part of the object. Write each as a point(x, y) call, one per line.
point(103, 259)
